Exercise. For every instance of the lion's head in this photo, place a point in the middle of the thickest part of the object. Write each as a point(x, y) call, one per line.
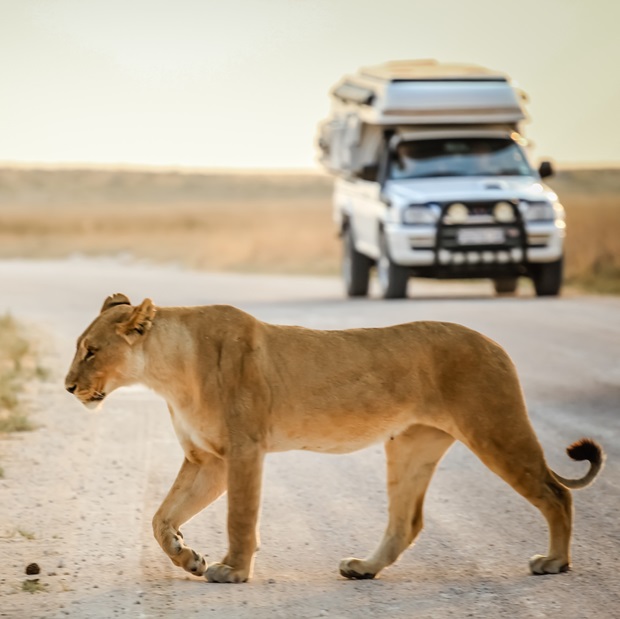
point(109, 353)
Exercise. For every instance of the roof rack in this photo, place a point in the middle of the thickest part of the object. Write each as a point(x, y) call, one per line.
point(430, 69)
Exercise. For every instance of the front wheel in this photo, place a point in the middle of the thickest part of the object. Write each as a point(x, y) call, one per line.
point(355, 267)
point(505, 285)
point(547, 278)
point(393, 278)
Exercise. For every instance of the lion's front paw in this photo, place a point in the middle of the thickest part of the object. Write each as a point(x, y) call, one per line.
point(187, 558)
point(219, 572)
point(197, 564)
point(356, 568)
point(539, 564)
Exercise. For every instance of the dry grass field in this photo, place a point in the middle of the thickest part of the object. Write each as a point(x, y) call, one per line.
point(592, 202)
point(247, 222)
point(277, 223)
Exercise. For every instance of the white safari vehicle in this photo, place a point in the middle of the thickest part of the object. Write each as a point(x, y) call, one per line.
point(433, 180)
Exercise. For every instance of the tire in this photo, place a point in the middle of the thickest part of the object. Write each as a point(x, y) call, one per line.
point(355, 267)
point(547, 278)
point(392, 277)
point(505, 285)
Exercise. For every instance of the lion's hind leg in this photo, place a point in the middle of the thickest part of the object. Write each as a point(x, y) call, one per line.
point(512, 451)
point(556, 504)
point(411, 461)
point(196, 486)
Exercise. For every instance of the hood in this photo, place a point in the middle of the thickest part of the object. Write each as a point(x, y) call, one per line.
point(446, 189)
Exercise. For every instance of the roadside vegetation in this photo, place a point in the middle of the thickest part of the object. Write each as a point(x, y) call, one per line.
point(592, 202)
point(18, 365)
point(271, 223)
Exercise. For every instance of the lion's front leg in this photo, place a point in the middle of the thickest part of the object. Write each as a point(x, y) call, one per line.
point(244, 486)
point(196, 486)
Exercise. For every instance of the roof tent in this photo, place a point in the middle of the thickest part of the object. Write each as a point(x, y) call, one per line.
point(413, 92)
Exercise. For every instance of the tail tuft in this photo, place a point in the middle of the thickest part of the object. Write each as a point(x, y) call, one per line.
point(586, 449)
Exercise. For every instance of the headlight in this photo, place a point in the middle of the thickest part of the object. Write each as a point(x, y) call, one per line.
point(420, 215)
point(503, 212)
point(457, 213)
point(537, 211)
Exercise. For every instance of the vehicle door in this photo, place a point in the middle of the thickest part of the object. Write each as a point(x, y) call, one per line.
point(367, 214)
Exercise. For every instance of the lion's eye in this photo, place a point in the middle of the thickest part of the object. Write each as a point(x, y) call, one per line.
point(89, 355)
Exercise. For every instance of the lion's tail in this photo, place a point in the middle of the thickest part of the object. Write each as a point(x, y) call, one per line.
point(584, 449)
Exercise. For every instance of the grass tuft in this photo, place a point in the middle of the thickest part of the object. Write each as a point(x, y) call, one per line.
point(15, 420)
point(33, 586)
point(16, 367)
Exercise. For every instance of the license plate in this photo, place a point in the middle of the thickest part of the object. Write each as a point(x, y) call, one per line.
point(480, 236)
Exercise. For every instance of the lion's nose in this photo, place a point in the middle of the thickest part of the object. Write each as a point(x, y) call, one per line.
point(70, 388)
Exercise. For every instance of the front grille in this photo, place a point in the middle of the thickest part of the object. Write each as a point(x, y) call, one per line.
point(480, 208)
point(452, 239)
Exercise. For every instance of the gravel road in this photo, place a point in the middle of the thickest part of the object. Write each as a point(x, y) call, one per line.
point(78, 494)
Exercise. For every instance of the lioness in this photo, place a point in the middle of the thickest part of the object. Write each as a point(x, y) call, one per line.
point(238, 388)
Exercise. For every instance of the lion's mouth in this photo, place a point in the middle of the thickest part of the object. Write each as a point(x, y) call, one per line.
point(95, 400)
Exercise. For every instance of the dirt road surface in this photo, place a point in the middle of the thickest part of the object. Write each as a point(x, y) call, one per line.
point(78, 494)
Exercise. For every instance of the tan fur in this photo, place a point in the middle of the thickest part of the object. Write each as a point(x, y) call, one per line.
point(238, 388)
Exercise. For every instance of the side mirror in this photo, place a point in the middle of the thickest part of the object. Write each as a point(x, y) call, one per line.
point(546, 169)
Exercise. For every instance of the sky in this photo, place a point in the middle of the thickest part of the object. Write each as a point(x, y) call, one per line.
point(244, 83)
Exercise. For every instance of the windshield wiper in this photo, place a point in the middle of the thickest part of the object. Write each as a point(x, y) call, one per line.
point(440, 174)
point(509, 172)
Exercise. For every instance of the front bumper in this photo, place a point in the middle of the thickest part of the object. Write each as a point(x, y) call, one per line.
point(430, 248)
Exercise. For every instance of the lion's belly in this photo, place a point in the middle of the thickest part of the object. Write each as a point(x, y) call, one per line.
point(336, 433)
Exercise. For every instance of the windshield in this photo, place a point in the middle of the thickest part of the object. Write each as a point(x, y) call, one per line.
point(458, 157)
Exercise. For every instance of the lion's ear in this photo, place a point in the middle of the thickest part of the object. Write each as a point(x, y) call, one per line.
point(139, 322)
point(113, 300)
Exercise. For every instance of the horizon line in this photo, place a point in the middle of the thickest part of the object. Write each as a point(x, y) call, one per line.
point(158, 168)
